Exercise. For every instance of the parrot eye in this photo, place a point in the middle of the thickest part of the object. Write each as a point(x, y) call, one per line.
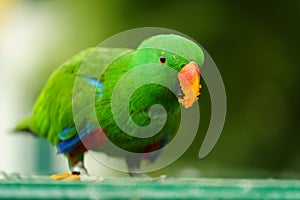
point(162, 60)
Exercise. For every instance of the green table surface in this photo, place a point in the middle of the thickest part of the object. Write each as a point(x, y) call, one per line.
point(42, 187)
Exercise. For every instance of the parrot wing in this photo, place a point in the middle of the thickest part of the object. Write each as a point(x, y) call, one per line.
point(53, 117)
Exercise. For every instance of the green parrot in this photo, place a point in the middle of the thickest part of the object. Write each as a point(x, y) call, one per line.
point(53, 116)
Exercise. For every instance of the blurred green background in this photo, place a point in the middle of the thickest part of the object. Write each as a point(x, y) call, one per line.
point(255, 45)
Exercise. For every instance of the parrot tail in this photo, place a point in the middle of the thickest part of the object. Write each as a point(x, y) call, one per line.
point(23, 126)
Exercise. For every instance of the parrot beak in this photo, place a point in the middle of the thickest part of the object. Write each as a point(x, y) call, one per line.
point(189, 84)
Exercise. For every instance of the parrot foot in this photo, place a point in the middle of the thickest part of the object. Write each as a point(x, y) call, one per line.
point(147, 177)
point(161, 178)
point(139, 175)
point(79, 169)
point(133, 164)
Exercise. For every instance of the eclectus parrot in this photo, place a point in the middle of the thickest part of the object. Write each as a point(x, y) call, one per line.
point(53, 116)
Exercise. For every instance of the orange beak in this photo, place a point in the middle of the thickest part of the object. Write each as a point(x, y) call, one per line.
point(189, 80)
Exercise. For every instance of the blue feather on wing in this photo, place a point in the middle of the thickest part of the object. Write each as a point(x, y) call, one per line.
point(69, 137)
point(68, 145)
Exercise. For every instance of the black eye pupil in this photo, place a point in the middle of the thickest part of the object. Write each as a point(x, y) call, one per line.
point(162, 60)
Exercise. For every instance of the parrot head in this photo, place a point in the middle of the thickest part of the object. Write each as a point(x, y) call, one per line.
point(185, 56)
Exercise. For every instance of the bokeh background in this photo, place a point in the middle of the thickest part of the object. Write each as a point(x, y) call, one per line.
point(255, 45)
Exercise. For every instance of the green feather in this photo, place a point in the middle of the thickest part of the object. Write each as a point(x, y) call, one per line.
point(53, 108)
point(53, 113)
point(177, 45)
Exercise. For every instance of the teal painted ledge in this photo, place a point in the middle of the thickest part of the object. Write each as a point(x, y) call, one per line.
point(42, 187)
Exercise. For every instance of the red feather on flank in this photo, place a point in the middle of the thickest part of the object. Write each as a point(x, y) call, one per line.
point(96, 138)
point(155, 149)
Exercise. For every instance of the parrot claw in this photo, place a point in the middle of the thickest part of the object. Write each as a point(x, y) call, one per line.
point(79, 169)
point(139, 175)
point(160, 178)
point(147, 177)
point(163, 177)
